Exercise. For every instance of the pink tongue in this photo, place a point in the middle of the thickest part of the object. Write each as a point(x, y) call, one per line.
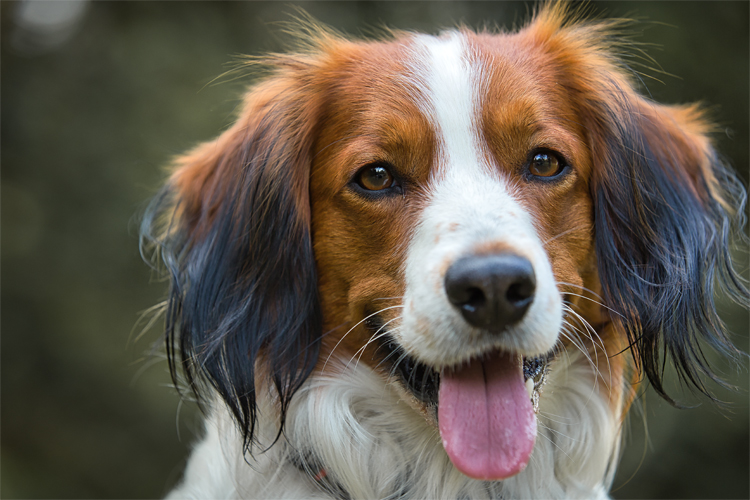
point(486, 419)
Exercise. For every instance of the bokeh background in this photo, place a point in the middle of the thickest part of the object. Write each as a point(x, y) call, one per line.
point(97, 97)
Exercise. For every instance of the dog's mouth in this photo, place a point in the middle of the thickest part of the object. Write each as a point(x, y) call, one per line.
point(486, 407)
point(423, 381)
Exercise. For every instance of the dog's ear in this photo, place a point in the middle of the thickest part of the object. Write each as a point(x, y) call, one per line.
point(233, 229)
point(665, 206)
point(665, 211)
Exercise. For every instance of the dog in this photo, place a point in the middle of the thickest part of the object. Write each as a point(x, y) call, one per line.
point(439, 266)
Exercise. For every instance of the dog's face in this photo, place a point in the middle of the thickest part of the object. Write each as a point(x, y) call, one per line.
point(455, 212)
point(451, 214)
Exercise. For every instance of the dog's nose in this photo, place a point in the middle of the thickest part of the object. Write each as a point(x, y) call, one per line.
point(491, 291)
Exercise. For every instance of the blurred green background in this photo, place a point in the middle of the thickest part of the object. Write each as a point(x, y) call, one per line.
point(96, 98)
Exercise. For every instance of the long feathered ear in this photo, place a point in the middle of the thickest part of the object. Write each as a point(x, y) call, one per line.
point(666, 207)
point(233, 230)
point(665, 212)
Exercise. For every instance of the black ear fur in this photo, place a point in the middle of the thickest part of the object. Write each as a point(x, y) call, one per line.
point(232, 228)
point(663, 203)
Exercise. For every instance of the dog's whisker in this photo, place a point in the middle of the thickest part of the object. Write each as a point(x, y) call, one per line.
point(595, 365)
point(389, 355)
point(561, 234)
point(597, 302)
point(588, 331)
point(593, 361)
point(570, 332)
point(551, 429)
point(594, 336)
point(374, 337)
point(400, 359)
point(558, 419)
point(355, 326)
point(553, 442)
point(580, 287)
point(597, 373)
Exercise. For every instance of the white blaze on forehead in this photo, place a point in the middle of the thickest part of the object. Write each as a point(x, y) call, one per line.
point(448, 78)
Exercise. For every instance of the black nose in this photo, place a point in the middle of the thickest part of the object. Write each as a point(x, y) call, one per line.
point(491, 291)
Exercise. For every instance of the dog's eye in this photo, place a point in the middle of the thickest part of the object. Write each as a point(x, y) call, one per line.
point(546, 164)
point(375, 177)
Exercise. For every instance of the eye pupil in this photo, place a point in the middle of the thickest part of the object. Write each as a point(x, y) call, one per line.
point(375, 178)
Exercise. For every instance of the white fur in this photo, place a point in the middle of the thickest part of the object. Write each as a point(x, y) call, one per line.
point(375, 446)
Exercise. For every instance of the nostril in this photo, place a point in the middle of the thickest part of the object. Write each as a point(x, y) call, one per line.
point(476, 300)
point(520, 293)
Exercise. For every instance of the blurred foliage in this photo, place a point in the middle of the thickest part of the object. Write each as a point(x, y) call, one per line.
point(94, 107)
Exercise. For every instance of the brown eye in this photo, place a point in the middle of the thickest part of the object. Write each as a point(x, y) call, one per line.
point(545, 165)
point(375, 177)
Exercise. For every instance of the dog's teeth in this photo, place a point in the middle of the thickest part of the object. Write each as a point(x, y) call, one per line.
point(530, 387)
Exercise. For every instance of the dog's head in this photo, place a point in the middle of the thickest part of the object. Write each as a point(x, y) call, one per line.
point(454, 211)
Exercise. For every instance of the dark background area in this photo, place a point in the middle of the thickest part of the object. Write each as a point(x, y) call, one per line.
point(96, 99)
